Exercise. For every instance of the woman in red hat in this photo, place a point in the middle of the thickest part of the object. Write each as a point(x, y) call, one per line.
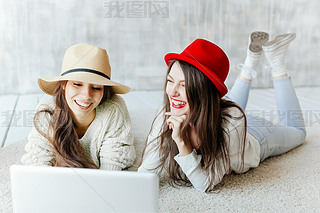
point(199, 136)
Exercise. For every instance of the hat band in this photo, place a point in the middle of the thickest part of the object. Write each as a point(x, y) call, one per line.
point(86, 70)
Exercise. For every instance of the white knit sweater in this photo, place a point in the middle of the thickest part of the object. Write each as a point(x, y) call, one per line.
point(108, 140)
point(191, 165)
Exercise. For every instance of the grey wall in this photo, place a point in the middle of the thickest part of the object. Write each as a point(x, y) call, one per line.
point(34, 35)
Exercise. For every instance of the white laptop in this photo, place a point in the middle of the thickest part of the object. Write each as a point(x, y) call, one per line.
point(55, 189)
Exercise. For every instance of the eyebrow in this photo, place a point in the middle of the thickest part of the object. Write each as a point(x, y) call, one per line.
point(173, 78)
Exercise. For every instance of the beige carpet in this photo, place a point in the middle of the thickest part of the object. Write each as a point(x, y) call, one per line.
point(287, 183)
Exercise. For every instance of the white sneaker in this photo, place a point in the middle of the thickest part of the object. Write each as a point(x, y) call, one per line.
point(278, 42)
point(275, 52)
point(254, 51)
point(256, 40)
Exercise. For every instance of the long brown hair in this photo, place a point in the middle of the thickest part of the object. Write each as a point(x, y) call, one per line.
point(68, 150)
point(208, 113)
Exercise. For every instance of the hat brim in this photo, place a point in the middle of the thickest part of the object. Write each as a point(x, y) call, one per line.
point(222, 88)
point(49, 84)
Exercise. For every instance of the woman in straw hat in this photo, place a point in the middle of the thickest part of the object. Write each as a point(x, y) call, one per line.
point(199, 136)
point(85, 124)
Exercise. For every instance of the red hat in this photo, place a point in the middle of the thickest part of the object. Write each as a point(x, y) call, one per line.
point(208, 58)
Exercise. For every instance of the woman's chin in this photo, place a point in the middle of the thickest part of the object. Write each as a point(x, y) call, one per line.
point(179, 112)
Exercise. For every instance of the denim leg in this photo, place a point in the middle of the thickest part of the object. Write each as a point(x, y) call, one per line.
point(240, 92)
point(288, 105)
point(278, 139)
point(274, 139)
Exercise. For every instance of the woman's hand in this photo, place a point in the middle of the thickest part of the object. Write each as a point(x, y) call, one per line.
point(174, 122)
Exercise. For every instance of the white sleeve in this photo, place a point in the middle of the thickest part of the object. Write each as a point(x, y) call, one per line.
point(117, 151)
point(191, 166)
point(151, 160)
point(39, 151)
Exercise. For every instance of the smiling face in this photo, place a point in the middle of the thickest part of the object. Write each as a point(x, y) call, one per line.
point(176, 91)
point(83, 98)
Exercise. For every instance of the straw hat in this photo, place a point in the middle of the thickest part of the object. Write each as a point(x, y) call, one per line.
point(85, 63)
point(208, 58)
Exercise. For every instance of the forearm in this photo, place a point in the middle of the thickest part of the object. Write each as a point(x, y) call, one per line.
point(150, 163)
point(115, 155)
point(37, 156)
point(105, 166)
point(184, 149)
point(191, 166)
point(39, 151)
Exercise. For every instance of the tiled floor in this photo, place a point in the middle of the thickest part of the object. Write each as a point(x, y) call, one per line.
point(17, 110)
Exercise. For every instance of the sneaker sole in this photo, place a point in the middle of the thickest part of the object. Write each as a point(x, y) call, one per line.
point(257, 39)
point(278, 42)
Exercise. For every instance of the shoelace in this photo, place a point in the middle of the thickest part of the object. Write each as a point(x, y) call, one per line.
point(252, 71)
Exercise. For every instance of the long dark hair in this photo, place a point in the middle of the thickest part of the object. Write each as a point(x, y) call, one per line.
point(68, 150)
point(208, 113)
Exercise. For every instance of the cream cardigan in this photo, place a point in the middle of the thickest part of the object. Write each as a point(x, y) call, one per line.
point(108, 140)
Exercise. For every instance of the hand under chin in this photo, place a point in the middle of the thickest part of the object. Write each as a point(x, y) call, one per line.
point(178, 112)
